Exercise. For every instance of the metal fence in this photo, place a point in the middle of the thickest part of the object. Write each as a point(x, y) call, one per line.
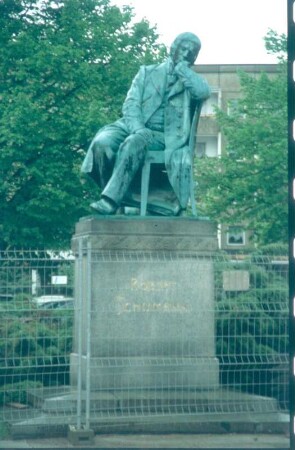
point(213, 343)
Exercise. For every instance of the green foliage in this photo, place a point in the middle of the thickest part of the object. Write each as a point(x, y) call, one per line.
point(252, 325)
point(251, 322)
point(16, 274)
point(34, 342)
point(65, 70)
point(272, 250)
point(276, 44)
point(248, 183)
point(17, 392)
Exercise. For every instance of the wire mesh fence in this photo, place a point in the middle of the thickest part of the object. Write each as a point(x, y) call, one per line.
point(155, 342)
point(252, 325)
point(36, 291)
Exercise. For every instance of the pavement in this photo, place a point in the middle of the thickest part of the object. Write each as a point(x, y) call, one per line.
point(179, 441)
point(226, 431)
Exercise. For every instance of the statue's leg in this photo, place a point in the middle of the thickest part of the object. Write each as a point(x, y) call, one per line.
point(130, 158)
point(105, 146)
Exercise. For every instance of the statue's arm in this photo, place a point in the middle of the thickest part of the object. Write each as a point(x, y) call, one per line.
point(132, 107)
point(197, 85)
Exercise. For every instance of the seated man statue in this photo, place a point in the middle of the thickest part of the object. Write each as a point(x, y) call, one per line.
point(157, 115)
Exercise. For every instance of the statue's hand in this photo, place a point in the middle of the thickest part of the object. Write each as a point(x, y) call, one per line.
point(146, 134)
point(181, 68)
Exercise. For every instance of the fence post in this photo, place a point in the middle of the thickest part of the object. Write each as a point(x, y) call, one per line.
point(79, 332)
point(88, 338)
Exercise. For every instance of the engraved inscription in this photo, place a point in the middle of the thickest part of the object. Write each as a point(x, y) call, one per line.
point(138, 285)
point(153, 307)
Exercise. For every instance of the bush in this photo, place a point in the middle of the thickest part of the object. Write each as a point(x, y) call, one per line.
point(252, 341)
point(17, 392)
point(34, 345)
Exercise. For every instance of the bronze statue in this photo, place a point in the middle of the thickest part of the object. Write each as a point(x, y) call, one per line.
point(157, 115)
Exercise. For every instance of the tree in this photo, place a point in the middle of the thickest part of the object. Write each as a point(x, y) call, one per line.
point(65, 70)
point(248, 183)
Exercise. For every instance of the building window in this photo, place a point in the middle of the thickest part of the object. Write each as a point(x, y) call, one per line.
point(201, 149)
point(207, 146)
point(232, 106)
point(209, 106)
point(235, 236)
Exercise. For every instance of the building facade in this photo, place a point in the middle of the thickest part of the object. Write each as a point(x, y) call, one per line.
point(226, 90)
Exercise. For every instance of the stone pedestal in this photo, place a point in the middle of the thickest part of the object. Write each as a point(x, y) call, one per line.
point(149, 285)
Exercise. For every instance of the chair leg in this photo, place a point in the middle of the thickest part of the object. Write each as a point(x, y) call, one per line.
point(145, 179)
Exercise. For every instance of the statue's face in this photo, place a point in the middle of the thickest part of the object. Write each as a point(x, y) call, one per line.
point(185, 51)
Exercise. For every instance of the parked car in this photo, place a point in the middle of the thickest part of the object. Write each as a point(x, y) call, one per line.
point(53, 302)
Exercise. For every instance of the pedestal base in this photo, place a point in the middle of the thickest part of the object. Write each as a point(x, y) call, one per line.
point(145, 315)
point(148, 373)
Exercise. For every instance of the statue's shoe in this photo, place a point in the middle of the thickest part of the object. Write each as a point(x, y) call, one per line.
point(104, 206)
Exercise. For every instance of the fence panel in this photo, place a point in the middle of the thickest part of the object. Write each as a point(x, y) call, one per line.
point(43, 353)
point(252, 340)
point(37, 312)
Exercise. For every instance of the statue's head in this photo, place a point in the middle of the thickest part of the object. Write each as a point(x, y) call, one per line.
point(187, 43)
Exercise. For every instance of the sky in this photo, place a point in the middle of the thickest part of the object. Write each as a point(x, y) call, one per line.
point(231, 31)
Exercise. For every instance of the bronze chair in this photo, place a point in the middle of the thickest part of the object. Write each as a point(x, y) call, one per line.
point(156, 157)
